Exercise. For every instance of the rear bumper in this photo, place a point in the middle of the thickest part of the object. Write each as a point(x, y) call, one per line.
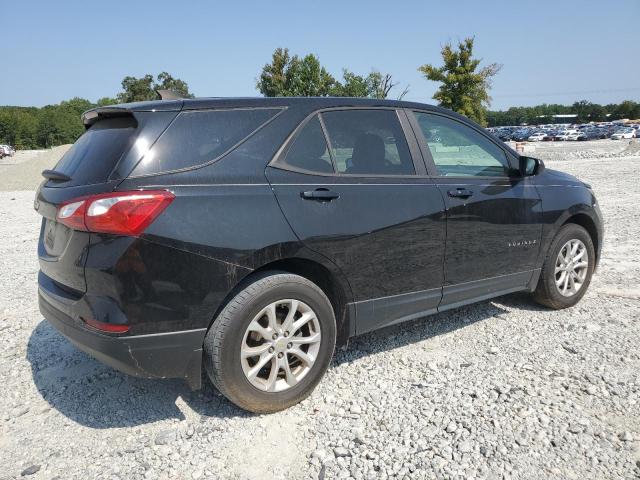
point(161, 355)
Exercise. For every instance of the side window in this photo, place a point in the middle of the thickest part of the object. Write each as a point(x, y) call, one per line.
point(368, 142)
point(458, 150)
point(309, 149)
point(198, 137)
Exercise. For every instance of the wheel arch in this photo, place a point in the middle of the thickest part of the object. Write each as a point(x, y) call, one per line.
point(586, 222)
point(330, 280)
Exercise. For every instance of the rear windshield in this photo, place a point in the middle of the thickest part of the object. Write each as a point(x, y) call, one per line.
point(92, 158)
point(200, 137)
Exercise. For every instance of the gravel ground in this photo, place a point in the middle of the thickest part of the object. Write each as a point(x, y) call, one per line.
point(498, 390)
point(22, 171)
point(562, 151)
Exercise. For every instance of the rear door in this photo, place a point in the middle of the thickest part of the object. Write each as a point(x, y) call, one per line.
point(354, 189)
point(494, 215)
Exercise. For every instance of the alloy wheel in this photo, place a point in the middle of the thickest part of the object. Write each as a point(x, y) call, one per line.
point(571, 268)
point(280, 345)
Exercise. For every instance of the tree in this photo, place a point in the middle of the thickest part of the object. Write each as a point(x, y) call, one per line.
point(144, 88)
point(137, 89)
point(104, 101)
point(291, 76)
point(379, 85)
point(167, 82)
point(52, 125)
point(626, 109)
point(309, 79)
point(464, 88)
point(588, 112)
point(352, 86)
point(288, 76)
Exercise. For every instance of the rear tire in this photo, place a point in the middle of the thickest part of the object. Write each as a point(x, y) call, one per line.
point(564, 279)
point(253, 331)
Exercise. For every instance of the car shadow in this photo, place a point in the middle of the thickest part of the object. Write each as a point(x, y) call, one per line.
point(406, 333)
point(97, 396)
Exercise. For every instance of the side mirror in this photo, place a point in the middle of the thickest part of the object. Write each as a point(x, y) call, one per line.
point(530, 166)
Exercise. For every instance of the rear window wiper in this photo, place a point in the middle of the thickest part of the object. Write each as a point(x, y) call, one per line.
point(55, 176)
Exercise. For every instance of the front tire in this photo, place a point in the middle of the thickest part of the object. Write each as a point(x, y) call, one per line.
point(567, 269)
point(272, 343)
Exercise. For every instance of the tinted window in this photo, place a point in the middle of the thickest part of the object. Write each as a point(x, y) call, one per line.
point(368, 142)
point(94, 155)
point(309, 149)
point(458, 150)
point(198, 137)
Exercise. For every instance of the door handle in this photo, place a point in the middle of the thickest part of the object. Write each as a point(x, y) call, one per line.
point(320, 194)
point(460, 193)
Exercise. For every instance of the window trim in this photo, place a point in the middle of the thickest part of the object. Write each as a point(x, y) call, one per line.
point(279, 159)
point(327, 141)
point(428, 158)
point(221, 155)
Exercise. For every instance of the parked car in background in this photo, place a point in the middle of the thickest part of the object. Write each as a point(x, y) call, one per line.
point(551, 134)
point(563, 135)
point(590, 134)
point(537, 137)
point(623, 133)
point(522, 134)
point(504, 135)
point(249, 237)
point(609, 130)
point(574, 135)
point(6, 151)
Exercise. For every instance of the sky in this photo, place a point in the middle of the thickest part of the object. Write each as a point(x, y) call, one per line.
point(552, 51)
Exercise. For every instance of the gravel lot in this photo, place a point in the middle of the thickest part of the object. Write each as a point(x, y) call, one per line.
point(502, 389)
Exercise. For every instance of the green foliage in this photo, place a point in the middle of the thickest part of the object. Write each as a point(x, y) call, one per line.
point(42, 127)
point(137, 89)
point(374, 85)
point(144, 88)
point(626, 109)
point(104, 101)
point(292, 76)
point(465, 88)
point(19, 126)
point(352, 86)
point(52, 125)
point(586, 111)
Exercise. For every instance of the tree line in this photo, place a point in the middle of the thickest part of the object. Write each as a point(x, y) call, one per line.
point(463, 87)
point(585, 111)
point(52, 125)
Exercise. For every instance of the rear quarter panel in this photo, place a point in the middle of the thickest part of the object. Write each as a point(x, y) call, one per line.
point(224, 223)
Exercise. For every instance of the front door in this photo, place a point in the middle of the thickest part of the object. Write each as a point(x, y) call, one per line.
point(494, 216)
point(350, 189)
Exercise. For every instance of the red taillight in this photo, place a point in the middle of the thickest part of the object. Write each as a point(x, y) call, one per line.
point(118, 213)
point(106, 327)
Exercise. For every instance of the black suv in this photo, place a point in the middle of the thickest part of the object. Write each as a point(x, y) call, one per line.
point(253, 235)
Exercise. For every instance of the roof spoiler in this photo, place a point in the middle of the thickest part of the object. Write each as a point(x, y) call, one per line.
point(92, 116)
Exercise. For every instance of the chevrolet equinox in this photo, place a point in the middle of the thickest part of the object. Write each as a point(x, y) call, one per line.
point(252, 236)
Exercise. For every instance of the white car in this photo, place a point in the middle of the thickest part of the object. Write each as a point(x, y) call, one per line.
point(537, 137)
point(573, 135)
point(564, 134)
point(620, 134)
point(6, 151)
